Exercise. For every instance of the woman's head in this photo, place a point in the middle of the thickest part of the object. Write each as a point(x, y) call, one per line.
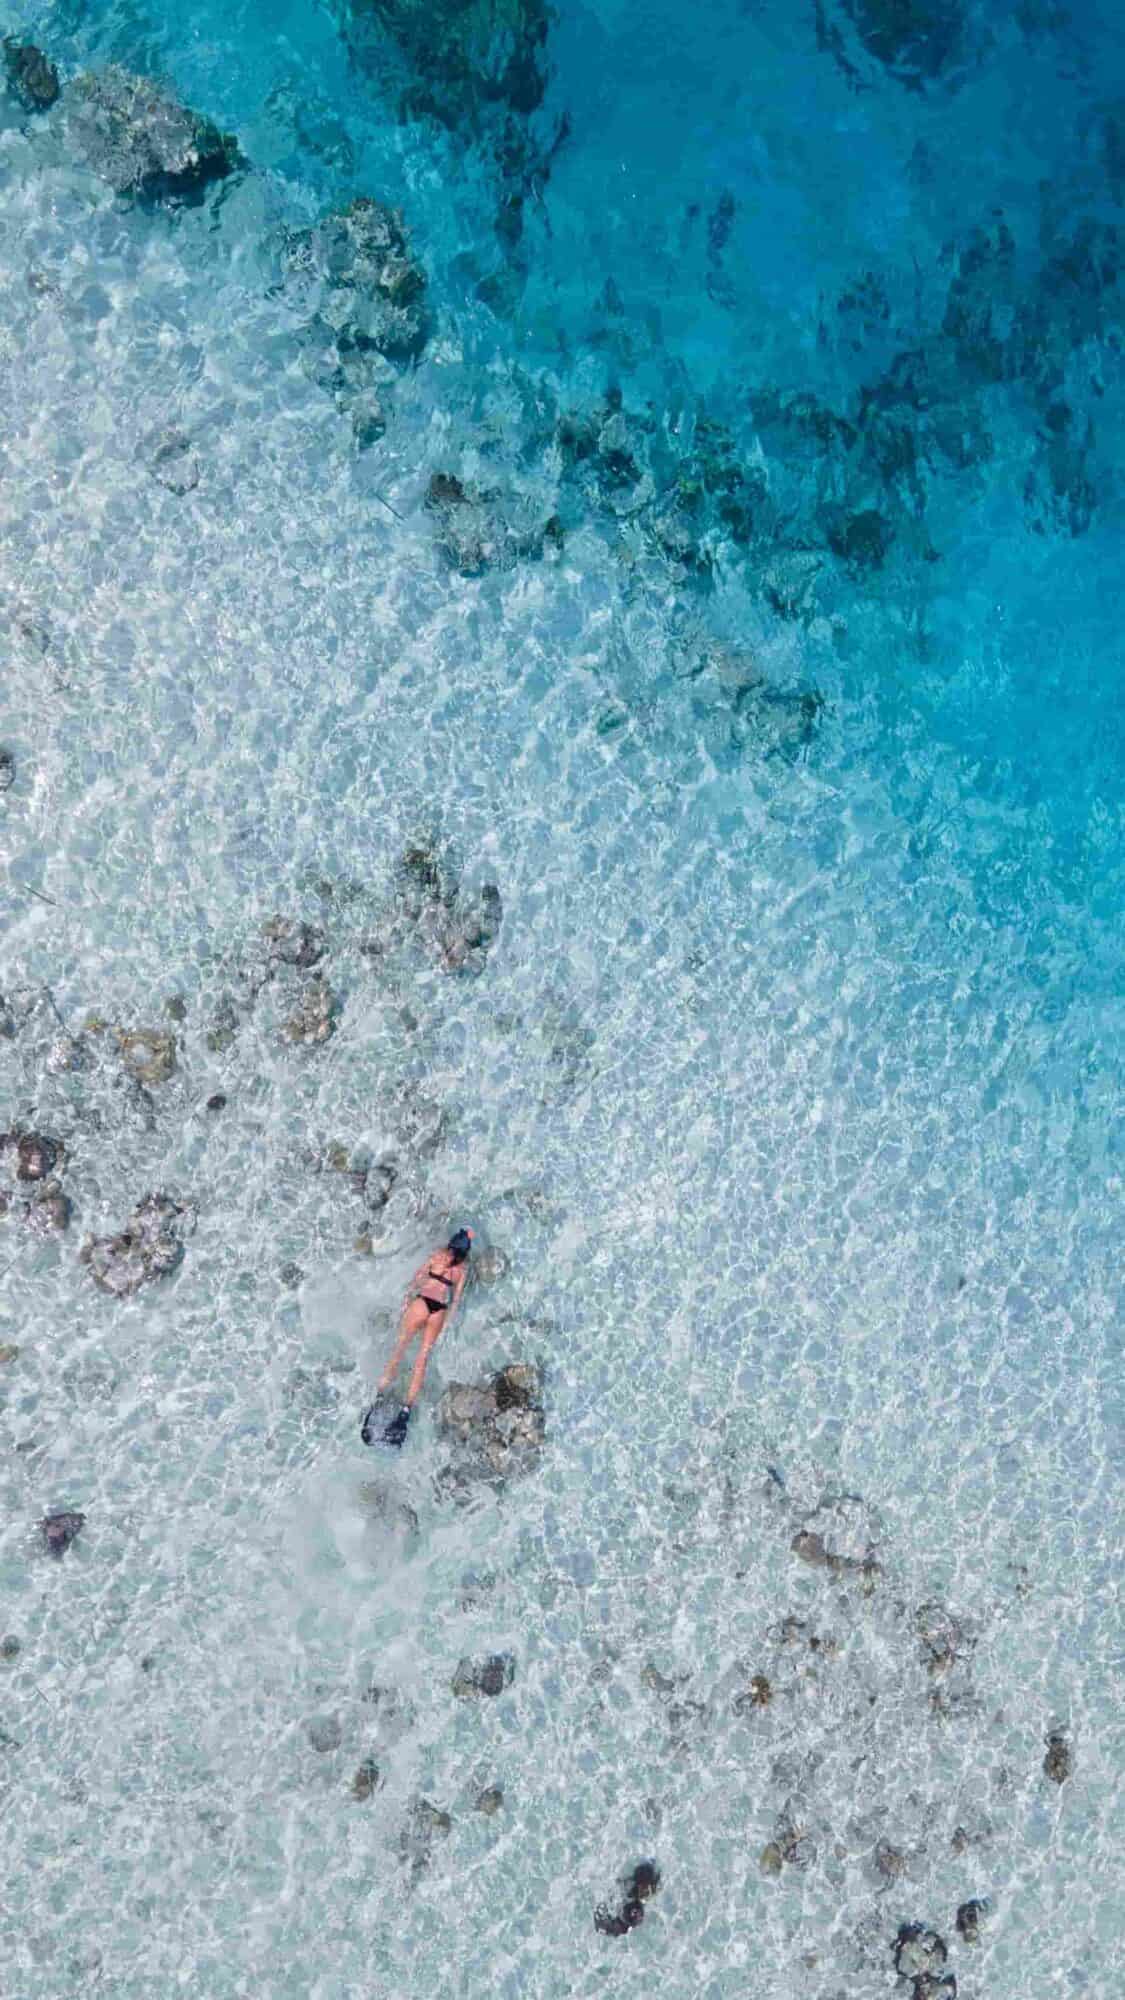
point(644, 1881)
point(459, 1245)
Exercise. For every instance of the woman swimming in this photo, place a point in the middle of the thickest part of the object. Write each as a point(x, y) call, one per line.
point(432, 1296)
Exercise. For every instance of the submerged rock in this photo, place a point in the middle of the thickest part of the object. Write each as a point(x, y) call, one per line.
point(66, 1054)
point(136, 137)
point(476, 1678)
point(469, 58)
point(368, 288)
point(641, 1884)
point(368, 416)
point(980, 301)
point(223, 1031)
point(426, 881)
point(377, 1191)
point(798, 426)
point(173, 463)
point(783, 721)
point(862, 541)
point(489, 1266)
point(489, 1801)
point(759, 1694)
point(477, 529)
point(464, 1410)
point(394, 1712)
point(32, 76)
point(379, 1183)
point(48, 1212)
point(955, 1704)
point(796, 1632)
point(367, 1780)
point(294, 943)
point(60, 1530)
point(890, 1861)
point(7, 770)
point(314, 1019)
point(473, 931)
point(518, 1386)
point(971, 1919)
point(788, 582)
point(148, 1054)
point(918, 42)
point(497, 1428)
point(324, 1733)
point(33, 1158)
point(944, 1640)
point(795, 1844)
point(425, 1826)
point(465, 530)
point(1059, 493)
point(870, 1574)
point(1058, 1764)
point(445, 490)
point(810, 1547)
point(685, 1719)
point(150, 1246)
point(847, 1529)
point(917, 1950)
point(35, 1155)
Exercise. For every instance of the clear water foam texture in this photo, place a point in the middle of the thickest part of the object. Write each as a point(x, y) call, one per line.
point(791, 1087)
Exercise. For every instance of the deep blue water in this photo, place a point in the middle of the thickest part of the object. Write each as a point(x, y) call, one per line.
point(768, 657)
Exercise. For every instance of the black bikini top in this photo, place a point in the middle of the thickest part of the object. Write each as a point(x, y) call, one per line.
point(439, 1278)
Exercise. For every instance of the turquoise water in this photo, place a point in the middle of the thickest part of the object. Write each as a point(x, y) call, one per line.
point(792, 1086)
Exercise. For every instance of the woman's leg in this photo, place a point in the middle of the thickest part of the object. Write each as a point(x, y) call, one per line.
point(436, 1322)
point(410, 1325)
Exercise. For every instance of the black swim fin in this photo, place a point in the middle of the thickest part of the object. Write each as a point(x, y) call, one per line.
point(395, 1433)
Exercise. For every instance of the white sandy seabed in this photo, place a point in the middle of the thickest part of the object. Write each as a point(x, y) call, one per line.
point(796, 1166)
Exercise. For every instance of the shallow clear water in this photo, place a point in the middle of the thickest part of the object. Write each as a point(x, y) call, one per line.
point(792, 1087)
